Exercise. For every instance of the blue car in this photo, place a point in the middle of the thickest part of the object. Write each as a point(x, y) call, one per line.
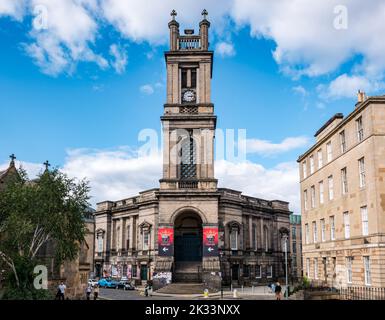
point(108, 283)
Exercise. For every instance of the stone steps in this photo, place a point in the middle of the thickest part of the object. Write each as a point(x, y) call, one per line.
point(183, 288)
point(186, 277)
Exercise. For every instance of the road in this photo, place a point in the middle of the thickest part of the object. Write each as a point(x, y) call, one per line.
point(119, 294)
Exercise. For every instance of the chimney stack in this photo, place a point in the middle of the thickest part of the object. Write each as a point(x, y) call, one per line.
point(361, 96)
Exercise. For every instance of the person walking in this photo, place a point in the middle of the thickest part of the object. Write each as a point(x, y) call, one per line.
point(96, 292)
point(278, 291)
point(146, 290)
point(272, 287)
point(61, 290)
point(88, 292)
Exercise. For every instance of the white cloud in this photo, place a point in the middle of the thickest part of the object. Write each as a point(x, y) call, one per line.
point(12, 8)
point(147, 20)
point(266, 148)
point(120, 58)
point(300, 90)
point(346, 86)
point(121, 173)
point(307, 41)
point(277, 183)
point(114, 174)
point(147, 89)
point(225, 49)
point(69, 34)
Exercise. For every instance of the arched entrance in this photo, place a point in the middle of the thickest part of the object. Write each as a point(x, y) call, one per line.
point(188, 238)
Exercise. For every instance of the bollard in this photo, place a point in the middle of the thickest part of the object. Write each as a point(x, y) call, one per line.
point(235, 293)
point(242, 288)
point(252, 290)
point(205, 293)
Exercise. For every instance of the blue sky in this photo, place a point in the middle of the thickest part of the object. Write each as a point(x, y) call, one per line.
point(279, 83)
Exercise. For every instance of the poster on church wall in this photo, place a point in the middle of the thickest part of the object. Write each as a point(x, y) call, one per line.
point(210, 242)
point(129, 274)
point(166, 241)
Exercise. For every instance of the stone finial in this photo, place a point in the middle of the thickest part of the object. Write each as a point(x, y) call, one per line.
point(204, 14)
point(173, 14)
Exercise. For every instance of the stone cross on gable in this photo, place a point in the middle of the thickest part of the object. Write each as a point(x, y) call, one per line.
point(47, 164)
point(173, 14)
point(13, 158)
point(204, 13)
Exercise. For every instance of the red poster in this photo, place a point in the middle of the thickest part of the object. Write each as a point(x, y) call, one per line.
point(210, 242)
point(166, 241)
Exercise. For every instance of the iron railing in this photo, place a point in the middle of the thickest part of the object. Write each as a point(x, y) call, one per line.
point(362, 293)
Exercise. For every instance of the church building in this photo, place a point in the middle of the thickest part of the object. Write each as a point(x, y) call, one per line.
point(188, 229)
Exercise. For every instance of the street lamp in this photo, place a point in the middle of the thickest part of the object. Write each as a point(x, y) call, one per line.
point(285, 237)
point(221, 266)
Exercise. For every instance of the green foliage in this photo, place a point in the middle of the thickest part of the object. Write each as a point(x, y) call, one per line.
point(305, 282)
point(33, 214)
point(27, 294)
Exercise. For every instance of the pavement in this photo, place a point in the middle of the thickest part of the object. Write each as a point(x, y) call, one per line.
point(257, 293)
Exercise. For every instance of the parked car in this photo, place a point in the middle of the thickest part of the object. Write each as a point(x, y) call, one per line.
point(108, 283)
point(92, 282)
point(125, 285)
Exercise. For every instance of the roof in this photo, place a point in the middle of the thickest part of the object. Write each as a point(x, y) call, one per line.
point(336, 116)
point(359, 107)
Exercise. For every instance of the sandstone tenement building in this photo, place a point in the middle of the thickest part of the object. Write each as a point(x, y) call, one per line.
point(343, 198)
point(188, 229)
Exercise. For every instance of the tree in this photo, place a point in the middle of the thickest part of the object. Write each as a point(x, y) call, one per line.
point(49, 209)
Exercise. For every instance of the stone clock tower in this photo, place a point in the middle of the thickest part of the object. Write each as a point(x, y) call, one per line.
point(189, 121)
point(188, 229)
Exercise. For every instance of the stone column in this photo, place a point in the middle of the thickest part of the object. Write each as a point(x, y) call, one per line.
point(251, 231)
point(262, 236)
point(131, 232)
point(123, 233)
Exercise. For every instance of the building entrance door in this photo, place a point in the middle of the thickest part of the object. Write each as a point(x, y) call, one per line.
point(143, 272)
point(235, 272)
point(188, 238)
point(188, 247)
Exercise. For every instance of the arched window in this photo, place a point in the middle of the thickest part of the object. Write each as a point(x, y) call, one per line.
point(188, 160)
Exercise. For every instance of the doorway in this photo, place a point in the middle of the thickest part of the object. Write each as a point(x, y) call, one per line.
point(188, 238)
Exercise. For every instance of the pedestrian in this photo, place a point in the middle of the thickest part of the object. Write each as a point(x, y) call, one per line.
point(61, 290)
point(96, 292)
point(88, 292)
point(278, 290)
point(272, 287)
point(147, 287)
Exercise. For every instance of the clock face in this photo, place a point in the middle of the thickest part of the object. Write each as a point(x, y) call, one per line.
point(189, 96)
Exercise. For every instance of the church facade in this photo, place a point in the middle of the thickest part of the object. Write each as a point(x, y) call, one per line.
point(188, 229)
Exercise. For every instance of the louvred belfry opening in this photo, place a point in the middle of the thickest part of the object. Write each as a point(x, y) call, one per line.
point(188, 159)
